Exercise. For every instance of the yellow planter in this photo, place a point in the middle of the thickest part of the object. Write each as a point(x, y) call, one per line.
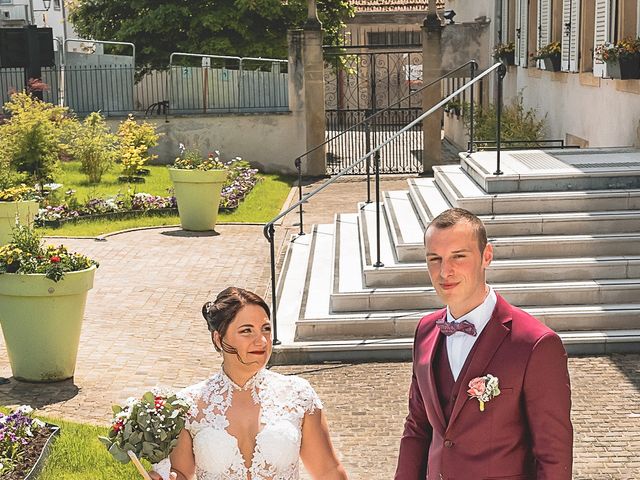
point(198, 195)
point(24, 211)
point(41, 321)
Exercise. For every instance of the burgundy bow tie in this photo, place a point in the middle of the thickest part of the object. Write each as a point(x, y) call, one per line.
point(449, 328)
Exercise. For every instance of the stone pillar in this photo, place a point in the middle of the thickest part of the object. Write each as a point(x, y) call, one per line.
point(315, 117)
point(432, 69)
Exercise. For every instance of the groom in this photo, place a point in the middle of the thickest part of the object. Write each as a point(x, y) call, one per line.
point(520, 430)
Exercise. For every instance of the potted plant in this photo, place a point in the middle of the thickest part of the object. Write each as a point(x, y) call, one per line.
point(505, 52)
point(550, 56)
point(197, 183)
point(17, 205)
point(622, 58)
point(43, 292)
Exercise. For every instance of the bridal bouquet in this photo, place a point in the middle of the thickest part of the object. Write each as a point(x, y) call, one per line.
point(148, 428)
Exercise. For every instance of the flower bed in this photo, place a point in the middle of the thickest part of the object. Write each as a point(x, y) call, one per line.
point(24, 443)
point(242, 181)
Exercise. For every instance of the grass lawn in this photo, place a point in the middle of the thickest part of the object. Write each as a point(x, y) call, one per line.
point(71, 177)
point(77, 454)
point(261, 205)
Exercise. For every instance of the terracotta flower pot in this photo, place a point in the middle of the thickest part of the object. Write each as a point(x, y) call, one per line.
point(41, 321)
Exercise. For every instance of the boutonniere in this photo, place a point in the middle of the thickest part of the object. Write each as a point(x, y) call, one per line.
point(484, 389)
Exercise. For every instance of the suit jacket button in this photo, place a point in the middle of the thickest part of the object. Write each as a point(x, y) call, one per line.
point(448, 443)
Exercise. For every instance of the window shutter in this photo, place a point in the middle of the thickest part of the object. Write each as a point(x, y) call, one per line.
point(570, 35)
point(522, 18)
point(601, 35)
point(544, 26)
point(505, 22)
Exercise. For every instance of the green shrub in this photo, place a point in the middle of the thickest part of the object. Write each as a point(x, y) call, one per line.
point(33, 139)
point(94, 146)
point(517, 123)
point(135, 139)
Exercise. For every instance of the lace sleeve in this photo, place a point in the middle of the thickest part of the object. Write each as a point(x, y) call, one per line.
point(308, 396)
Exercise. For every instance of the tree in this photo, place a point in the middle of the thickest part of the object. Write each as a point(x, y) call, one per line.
point(246, 28)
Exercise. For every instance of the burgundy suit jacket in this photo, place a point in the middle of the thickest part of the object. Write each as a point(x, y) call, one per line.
point(524, 433)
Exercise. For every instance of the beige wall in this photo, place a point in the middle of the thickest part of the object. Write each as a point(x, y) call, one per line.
point(603, 114)
point(269, 142)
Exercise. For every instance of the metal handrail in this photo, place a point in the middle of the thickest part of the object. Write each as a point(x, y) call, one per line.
point(366, 123)
point(269, 228)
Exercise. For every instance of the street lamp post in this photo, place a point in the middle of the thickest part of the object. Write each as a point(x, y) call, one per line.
point(45, 3)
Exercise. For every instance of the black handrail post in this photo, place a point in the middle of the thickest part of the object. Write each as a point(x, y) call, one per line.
point(474, 66)
point(502, 71)
point(367, 130)
point(377, 166)
point(299, 167)
point(274, 304)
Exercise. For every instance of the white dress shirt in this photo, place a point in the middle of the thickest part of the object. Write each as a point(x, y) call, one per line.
point(460, 344)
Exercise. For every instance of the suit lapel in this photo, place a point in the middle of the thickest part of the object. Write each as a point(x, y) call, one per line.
point(431, 343)
point(488, 343)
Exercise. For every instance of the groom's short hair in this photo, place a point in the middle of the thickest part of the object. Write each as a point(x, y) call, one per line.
point(453, 216)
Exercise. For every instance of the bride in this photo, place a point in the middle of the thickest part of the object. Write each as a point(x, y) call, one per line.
point(246, 422)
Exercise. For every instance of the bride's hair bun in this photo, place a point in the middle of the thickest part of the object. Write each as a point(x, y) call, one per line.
point(220, 313)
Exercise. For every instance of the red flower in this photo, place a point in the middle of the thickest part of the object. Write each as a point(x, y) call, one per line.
point(55, 259)
point(119, 425)
point(159, 402)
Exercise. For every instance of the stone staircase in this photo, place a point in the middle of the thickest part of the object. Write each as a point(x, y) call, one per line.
point(566, 234)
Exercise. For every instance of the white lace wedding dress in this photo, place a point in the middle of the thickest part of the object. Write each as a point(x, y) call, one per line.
point(283, 400)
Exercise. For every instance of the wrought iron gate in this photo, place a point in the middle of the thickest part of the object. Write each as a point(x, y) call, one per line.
point(357, 84)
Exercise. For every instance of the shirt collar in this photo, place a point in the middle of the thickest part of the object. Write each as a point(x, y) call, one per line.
point(480, 315)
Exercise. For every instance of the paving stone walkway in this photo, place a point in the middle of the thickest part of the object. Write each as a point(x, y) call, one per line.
point(143, 328)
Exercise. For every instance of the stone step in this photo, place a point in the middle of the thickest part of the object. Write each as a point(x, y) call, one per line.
point(504, 271)
point(432, 192)
point(292, 281)
point(587, 292)
point(562, 246)
point(399, 324)
point(597, 342)
point(550, 246)
point(460, 190)
point(557, 170)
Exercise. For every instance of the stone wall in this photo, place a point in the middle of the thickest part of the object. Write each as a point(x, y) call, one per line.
point(269, 142)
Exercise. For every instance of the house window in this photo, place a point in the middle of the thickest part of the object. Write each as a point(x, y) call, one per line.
point(395, 38)
point(6, 2)
point(56, 4)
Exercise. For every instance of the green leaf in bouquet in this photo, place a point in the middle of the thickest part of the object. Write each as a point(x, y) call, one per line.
point(116, 409)
point(149, 398)
point(119, 454)
point(105, 441)
point(148, 436)
point(163, 435)
point(143, 419)
point(157, 456)
point(128, 430)
point(135, 438)
point(147, 449)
